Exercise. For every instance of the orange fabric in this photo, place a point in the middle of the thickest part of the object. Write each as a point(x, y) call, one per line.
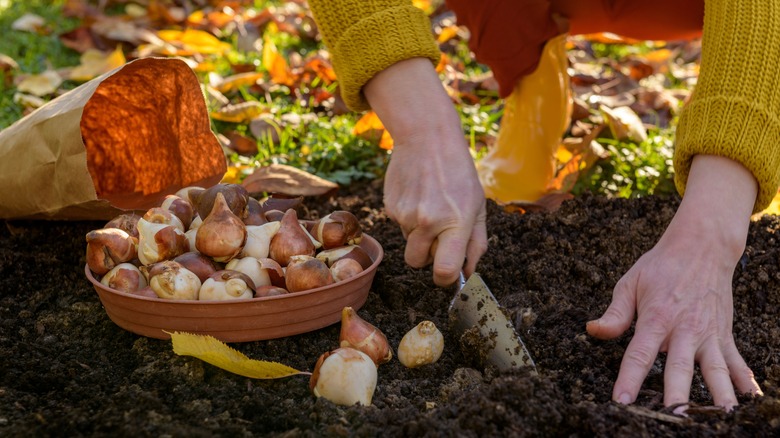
point(508, 35)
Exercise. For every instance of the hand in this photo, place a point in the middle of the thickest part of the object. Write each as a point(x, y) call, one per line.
point(681, 292)
point(431, 185)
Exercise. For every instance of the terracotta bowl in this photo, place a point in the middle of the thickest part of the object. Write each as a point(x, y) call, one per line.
point(241, 320)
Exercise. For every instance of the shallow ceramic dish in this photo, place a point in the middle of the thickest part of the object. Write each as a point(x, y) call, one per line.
point(241, 320)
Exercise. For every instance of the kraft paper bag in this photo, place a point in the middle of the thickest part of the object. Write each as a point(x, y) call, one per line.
point(119, 142)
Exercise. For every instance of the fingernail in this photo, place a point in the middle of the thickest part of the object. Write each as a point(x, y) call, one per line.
point(680, 410)
point(624, 399)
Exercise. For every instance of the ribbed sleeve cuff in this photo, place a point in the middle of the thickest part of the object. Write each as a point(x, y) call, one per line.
point(734, 128)
point(735, 109)
point(377, 42)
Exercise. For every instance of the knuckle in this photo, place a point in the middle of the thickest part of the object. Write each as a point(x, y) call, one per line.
point(641, 355)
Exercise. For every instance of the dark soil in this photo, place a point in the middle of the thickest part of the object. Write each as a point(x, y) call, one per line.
point(67, 370)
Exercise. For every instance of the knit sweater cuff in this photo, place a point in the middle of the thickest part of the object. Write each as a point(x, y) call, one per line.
point(379, 41)
point(734, 128)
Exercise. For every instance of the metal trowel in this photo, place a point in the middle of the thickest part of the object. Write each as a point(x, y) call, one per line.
point(475, 310)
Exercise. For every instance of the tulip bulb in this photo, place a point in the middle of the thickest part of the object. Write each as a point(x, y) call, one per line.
point(252, 268)
point(254, 213)
point(226, 285)
point(309, 274)
point(170, 280)
point(360, 335)
point(290, 240)
point(234, 195)
point(344, 376)
point(159, 215)
point(258, 239)
point(124, 277)
point(108, 247)
point(222, 234)
point(345, 269)
point(199, 264)
point(159, 241)
point(339, 228)
point(126, 223)
point(421, 345)
point(181, 208)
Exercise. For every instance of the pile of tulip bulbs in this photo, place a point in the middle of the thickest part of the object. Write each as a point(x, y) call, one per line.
point(220, 243)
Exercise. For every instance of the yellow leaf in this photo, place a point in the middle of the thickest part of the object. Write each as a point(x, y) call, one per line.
point(194, 41)
point(94, 63)
point(42, 84)
point(232, 176)
point(217, 353)
point(232, 83)
point(238, 113)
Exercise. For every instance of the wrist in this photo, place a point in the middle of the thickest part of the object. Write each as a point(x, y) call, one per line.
point(718, 203)
point(411, 102)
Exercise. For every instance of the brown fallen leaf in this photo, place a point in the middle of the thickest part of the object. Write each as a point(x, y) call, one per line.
point(287, 180)
point(7, 68)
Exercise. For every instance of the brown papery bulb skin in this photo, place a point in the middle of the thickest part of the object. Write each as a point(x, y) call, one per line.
point(199, 264)
point(290, 240)
point(254, 213)
point(181, 208)
point(126, 223)
point(236, 198)
point(309, 274)
point(338, 229)
point(270, 291)
point(222, 234)
point(345, 269)
point(170, 280)
point(108, 247)
point(361, 335)
point(274, 270)
point(125, 277)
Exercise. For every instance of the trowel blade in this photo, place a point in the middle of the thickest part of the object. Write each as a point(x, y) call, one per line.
point(475, 306)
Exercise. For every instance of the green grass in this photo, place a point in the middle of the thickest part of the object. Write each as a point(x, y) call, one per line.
point(33, 52)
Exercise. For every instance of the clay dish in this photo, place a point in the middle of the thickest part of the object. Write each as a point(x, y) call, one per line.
point(241, 320)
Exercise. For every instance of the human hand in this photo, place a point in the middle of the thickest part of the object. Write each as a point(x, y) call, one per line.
point(681, 292)
point(431, 185)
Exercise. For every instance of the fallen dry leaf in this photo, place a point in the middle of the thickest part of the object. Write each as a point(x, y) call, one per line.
point(29, 23)
point(624, 123)
point(239, 113)
point(28, 100)
point(42, 84)
point(275, 64)
point(94, 63)
point(7, 68)
point(234, 82)
point(192, 41)
point(287, 180)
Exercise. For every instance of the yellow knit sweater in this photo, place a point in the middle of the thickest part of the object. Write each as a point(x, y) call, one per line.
point(734, 111)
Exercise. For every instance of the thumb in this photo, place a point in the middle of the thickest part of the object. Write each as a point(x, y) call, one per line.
point(618, 316)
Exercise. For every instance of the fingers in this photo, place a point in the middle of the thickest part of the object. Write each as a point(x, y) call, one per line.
point(678, 371)
point(716, 374)
point(637, 360)
point(741, 374)
point(618, 316)
point(476, 248)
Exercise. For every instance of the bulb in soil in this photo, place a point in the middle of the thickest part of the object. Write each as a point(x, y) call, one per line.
point(361, 335)
point(344, 376)
point(422, 345)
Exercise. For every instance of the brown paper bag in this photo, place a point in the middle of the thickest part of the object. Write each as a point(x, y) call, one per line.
point(119, 142)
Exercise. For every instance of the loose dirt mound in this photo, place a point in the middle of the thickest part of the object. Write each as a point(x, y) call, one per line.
point(67, 370)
